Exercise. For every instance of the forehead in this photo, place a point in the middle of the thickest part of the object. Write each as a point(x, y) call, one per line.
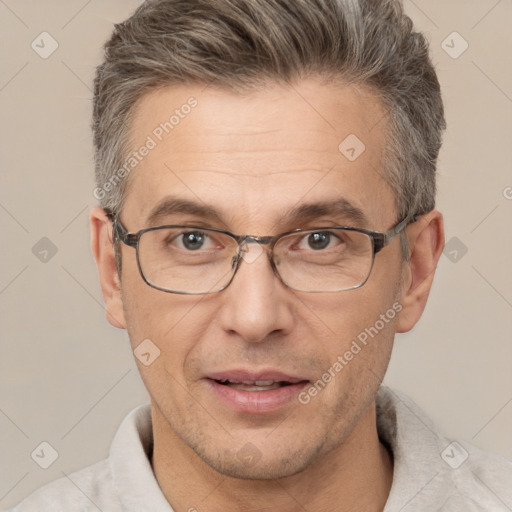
point(255, 156)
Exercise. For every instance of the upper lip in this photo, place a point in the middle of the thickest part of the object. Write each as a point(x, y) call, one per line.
point(240, 375)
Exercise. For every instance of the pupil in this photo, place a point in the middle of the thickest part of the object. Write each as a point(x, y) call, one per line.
point(193, 241)
point(319, 240)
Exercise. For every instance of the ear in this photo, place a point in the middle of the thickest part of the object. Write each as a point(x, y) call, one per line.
point(103, 250)
point(426, 242)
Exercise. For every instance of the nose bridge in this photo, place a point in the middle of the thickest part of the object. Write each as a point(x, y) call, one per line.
point(255, 303)
point(249, 255)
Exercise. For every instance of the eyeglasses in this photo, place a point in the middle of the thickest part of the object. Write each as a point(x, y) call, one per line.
point(196, 260)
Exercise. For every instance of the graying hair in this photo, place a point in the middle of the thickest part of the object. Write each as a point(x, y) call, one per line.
point(241, 45)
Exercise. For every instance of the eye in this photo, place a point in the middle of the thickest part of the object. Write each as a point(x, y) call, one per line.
point(194, 240)
point(318, 241)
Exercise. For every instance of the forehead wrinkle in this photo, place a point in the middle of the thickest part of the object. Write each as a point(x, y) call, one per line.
point(235, 173)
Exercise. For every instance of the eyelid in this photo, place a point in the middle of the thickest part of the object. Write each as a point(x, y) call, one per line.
point(334, 230)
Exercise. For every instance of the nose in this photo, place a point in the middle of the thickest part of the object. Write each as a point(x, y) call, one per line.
point(256, 305)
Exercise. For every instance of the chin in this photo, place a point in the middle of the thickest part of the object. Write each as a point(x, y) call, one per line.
point(248, 463)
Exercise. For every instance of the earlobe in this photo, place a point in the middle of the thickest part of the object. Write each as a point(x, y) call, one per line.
point(426, 242)
point(103, 251)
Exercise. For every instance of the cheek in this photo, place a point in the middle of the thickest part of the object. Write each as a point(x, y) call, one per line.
point(172, 322)
point(356, 351)
point(358, 337)
point(174, 326)
point(355, 312)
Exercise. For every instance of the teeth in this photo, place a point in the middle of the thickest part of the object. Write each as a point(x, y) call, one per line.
point(249, 383)
point(255, 386)
point(258, 385)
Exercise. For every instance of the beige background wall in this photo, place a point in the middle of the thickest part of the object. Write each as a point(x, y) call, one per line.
point(67, 377)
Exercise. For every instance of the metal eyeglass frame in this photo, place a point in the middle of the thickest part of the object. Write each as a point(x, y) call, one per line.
point(379, 241)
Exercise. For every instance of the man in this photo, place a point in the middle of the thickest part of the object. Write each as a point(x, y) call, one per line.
point(266, 172)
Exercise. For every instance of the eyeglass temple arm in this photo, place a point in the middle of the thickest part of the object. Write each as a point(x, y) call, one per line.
point(120, 232)
point(380, 240)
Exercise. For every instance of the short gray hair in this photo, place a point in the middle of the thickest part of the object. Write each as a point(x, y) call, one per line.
point(240, 45)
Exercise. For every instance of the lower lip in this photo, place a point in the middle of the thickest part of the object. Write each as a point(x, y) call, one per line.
point(257, 402)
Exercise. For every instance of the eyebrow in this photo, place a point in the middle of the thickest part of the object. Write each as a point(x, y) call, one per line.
point(303, 212)
point(337, 208)
point(170, 205)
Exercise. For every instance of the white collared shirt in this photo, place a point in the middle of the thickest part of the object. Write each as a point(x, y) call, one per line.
point(431, 473)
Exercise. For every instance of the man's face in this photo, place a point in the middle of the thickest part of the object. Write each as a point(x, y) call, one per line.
point(254, 159)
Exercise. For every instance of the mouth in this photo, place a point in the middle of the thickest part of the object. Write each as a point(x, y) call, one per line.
point(259, 385)
point(256, 393)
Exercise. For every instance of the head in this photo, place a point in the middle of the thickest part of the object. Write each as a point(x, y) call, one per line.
point(236, 113)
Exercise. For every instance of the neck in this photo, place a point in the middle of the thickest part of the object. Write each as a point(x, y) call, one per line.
point(355, 476)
